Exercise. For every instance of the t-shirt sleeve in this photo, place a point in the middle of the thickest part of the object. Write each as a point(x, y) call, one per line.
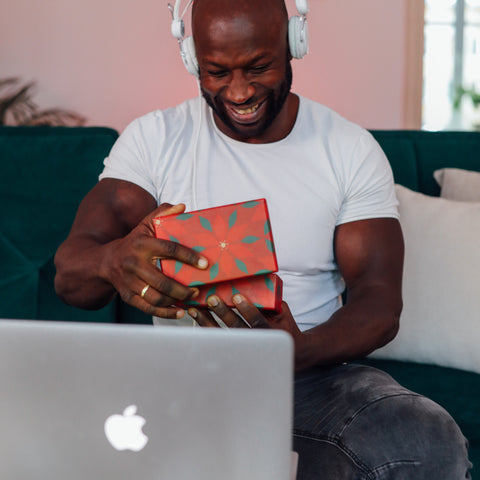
point(129, 159)
point(369, 185)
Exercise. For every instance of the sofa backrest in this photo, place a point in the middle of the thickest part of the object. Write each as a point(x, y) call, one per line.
point(414, 155)
point(44, 174)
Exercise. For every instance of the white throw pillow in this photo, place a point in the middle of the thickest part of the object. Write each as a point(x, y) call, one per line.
point(440, 322)
point(457, 184)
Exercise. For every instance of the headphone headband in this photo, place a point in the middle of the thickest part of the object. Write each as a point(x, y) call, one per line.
point(297, 34)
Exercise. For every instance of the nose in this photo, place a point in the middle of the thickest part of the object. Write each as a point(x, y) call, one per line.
point(239, 89)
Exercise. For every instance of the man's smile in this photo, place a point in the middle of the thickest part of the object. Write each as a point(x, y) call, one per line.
point(247, 114)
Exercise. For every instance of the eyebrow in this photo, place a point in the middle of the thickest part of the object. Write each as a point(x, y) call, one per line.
point(254, 60)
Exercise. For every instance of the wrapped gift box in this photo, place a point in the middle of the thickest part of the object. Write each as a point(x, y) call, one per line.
point(264, 291)
point(236, 239)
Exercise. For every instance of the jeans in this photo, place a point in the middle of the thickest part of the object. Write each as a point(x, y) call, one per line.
point(355, 422)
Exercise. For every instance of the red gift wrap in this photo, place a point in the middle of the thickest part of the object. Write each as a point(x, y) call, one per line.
point(236, 239)
point(264, 291)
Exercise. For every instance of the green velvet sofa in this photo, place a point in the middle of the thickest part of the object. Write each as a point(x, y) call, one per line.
point(46, 171)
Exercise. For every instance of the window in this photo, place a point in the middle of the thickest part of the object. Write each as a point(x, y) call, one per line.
point(451, 65)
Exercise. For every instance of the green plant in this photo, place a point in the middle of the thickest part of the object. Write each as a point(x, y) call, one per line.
point(18, 108)
point(470, 92)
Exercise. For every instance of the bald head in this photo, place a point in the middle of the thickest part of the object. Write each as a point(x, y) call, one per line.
point(255, 17)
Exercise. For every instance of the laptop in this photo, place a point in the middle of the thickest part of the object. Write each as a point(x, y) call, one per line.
point(111, 402)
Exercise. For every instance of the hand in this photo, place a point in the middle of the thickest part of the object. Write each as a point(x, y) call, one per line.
point(130, 265)
point(252, 316)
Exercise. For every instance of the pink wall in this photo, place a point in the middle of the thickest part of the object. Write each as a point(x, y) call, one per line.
point(115, 60)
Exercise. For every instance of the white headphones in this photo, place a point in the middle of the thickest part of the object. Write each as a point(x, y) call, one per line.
point(297, 34)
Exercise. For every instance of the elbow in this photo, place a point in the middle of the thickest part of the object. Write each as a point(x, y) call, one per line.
point(392, 325)
point(73, 289)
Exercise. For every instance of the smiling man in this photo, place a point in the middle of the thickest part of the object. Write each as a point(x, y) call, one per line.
point(334, 216)
point(246, 74)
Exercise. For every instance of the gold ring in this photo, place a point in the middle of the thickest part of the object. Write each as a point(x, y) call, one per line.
point(144, 291)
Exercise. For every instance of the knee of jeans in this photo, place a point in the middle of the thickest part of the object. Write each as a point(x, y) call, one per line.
point(407, 430)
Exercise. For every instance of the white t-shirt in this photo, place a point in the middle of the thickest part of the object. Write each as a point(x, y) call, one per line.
point(326, 172)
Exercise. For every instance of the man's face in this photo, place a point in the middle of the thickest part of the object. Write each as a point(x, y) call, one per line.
point(245, 77)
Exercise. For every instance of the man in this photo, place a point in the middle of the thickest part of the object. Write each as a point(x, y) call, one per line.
point(333, 211)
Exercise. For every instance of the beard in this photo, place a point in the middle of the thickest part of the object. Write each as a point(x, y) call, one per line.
point(275, 100)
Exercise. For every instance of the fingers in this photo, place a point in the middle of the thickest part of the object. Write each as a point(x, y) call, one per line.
point(250, 312)
point(165, 209)
point(162, 249)
point(168, 290)
point(140, 263)
point(203, 318)
point(143, 304)
point(227, 315)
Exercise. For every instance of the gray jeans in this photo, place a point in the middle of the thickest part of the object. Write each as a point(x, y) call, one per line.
point(355, 422)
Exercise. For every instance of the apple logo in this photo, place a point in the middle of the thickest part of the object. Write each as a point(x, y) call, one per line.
point(124, 432)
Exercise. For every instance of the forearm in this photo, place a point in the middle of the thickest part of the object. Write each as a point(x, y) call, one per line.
point(81, 279)
point(366, 322)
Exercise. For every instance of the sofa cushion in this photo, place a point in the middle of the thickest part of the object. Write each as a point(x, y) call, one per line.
point(458, 184)
point(440, 323)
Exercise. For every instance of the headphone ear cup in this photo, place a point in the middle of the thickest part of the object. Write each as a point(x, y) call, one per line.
point(298, 36)
point(188, 56)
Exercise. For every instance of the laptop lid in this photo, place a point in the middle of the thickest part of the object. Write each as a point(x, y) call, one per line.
point(90, 401)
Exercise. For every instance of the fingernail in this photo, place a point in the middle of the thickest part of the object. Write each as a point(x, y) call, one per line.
point(203, 263)
point(180, 313)
point(212, 301)
point(238, 299)
point(193, 313)
point(195, 293)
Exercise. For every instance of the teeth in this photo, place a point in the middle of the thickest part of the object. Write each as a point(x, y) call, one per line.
point(246, 111)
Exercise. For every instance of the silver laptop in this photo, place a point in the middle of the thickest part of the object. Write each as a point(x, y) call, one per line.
point(111, 402)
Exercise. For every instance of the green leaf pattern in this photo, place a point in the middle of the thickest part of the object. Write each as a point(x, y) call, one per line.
point(232, 219)
point(205, 223)
point(269, 283)
point(184, 216)
point(178, 266)
point(241, 265)
point(211, 291)
point(250, 239)
point(214, 271)
point(250, 204)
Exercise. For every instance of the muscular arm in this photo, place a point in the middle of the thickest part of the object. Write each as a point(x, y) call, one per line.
point(111, 248)
point(370, 256)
